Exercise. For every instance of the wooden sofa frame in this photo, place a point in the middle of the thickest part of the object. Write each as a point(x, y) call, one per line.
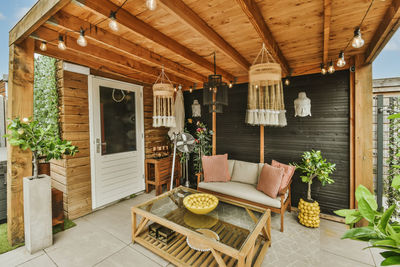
point(285, 205)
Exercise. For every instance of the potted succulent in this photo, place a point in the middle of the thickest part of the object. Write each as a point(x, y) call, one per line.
point(27, 134)
point(313, 166)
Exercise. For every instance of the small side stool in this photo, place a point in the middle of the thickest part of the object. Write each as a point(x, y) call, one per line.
point(158, 173)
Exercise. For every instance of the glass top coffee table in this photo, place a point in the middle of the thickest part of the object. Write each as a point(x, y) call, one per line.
point(243, 231)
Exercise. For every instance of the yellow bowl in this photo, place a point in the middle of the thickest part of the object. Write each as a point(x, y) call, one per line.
point(200, 203)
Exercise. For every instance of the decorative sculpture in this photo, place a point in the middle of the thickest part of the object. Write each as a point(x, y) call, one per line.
point(163, 97)
point(302, 105)
point(196, 109)
point(265, 102)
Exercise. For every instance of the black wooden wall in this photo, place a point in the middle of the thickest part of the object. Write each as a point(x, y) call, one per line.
point(326, 130)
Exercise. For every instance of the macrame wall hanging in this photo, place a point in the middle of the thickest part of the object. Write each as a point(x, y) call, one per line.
point(265, 102)
point(302, 105)
point(163, 102)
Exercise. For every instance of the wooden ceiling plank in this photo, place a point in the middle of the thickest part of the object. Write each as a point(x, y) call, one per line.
point(256, 18)
point(97, 52)
point(70, 56)
point(185, 13)
point(35, 17)
point(69, 22)
point(388, 26)
point(327, 29)
point(136, 25)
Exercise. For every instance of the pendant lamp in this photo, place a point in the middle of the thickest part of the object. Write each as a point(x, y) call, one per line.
point(265, 102)
point(163, 102)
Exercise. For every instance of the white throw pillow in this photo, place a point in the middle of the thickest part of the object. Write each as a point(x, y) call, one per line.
point(245, 172)
point(231, 163)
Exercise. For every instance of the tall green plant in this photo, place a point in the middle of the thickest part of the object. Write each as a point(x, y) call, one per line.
point(203, 145)
point(45, 94)
point(314, 166)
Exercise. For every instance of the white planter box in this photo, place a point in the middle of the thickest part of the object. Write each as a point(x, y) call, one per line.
point(37, 213)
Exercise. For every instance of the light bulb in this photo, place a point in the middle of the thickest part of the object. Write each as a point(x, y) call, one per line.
point(230, 84)
point(113, 24)
point(43, 46)
point(341, 62)
point(331, 69)
point(151, 4)
point(81, 39)
point(191, 89)
point(209, 89)
point(175, 89)
point(357, 41)
point(323, 70)
point(61, 44)
point(287, 81)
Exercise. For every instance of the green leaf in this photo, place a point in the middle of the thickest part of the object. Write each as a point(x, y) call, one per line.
point(366, 211)
point(394, 116)
point(393, 260)
point(363, 193)
point(383, 222)
point(387, 254)
point(361, 232)
point(396, 182)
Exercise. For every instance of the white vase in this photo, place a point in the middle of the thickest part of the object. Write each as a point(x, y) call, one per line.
point(37, 213)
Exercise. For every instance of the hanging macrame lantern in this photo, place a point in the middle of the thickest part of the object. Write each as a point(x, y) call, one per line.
point(265, 102)
point(163, 102)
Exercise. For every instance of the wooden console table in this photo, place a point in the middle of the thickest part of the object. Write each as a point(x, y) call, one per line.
point(158, 172)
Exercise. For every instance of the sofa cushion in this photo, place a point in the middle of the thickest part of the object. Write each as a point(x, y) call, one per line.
point(243, 191)
point(245, 172)
point(270, 180)
point(231, 163)
point(287, 175)
point(215, 168)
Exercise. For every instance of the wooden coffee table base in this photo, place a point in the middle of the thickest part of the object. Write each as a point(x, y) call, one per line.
point(225, 253)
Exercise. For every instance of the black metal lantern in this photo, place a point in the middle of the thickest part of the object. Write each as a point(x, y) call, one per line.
point(215, 92)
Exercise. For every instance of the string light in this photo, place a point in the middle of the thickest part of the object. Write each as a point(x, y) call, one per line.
point(43, 46)
point(81, 39)
point(191, 89)
point(113, 21)
point(151, 4)
point(230, 84)
point(357, 41)
point(61, 43)
point(331, 69)
point(323, 70)
point(287, 81)
point(341, 62)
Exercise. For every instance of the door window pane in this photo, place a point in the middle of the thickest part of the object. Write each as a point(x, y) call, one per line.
point(118, 121)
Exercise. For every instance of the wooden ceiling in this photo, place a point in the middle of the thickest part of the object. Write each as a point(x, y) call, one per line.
point(181, 34)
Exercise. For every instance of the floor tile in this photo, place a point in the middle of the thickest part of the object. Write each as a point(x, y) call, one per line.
point(18, 256)
point(127, 257)
point(149, 254)
point(42, 261)
point(84, 245)
point(332, 260)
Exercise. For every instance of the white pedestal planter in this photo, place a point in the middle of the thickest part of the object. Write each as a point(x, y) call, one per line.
point(37, 213)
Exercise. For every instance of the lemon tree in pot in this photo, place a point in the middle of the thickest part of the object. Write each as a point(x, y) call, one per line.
point(28, 134)
point(313, 166)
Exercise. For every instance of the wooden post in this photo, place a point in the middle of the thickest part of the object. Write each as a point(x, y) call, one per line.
point(352, 140)
point(261, 143)
point(214, 125)
point(19, 164)
point(363, 145)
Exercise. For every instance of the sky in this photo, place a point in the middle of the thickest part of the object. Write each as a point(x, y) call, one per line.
point(386, 65)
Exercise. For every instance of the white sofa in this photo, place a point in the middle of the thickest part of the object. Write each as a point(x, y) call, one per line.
point(243, 185)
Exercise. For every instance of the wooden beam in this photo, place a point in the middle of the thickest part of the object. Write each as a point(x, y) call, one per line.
point(186, 14)
point(327, 29)
point(363, 164)
point(388, 26)
point(252, 11)
point(136, 25)
point(261, 143)
point(96, 52)
point(112, 41)
point(35, 17)
point(19, 163)
point(98, 65)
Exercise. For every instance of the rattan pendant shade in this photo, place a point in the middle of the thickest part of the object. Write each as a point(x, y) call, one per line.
point(163, 102)
point(265, 101)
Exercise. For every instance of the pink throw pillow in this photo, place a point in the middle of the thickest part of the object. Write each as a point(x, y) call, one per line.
point(215, 168)
point(287, 176)
point(270, 180)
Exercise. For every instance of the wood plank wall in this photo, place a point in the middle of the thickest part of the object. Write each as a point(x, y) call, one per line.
point(327, 129)
point(72, 175)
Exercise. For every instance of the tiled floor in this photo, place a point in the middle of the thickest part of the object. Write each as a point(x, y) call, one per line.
point(103, 239)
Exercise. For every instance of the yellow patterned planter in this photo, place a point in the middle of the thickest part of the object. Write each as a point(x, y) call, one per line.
point(309, 213)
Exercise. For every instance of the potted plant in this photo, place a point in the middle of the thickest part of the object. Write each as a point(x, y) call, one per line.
point(27, 134)
point(313, 166)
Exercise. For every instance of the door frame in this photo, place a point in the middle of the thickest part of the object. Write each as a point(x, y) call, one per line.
point(139, 127)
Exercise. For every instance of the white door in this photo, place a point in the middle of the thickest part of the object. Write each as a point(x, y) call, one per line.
point(116, 138)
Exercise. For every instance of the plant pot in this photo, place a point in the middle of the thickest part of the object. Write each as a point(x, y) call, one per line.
point(37, 213)
point(309, 213)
